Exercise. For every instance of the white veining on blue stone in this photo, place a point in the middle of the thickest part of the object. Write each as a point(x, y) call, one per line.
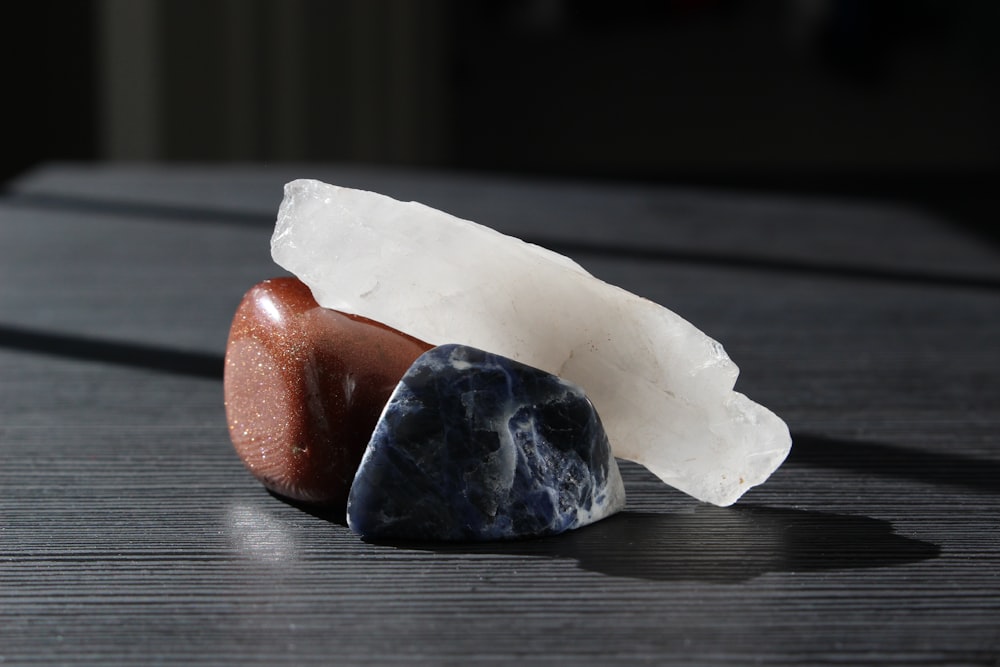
point(475, 446)
point(663, 388)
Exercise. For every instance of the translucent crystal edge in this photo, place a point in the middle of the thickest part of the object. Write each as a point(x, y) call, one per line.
point(663, 388)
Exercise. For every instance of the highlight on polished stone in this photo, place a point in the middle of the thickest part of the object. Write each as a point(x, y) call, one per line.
point(474, 446)
point(665, 390)
point(304, 387)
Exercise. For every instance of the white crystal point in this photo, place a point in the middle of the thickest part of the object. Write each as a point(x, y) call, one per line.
point(663, 389)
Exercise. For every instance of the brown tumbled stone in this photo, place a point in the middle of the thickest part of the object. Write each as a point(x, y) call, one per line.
point(304, 387)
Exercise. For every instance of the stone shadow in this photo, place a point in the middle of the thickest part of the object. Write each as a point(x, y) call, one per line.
point(715, 544)
point(868, 457)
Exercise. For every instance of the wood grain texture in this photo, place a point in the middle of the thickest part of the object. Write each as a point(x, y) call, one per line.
point(130, 533)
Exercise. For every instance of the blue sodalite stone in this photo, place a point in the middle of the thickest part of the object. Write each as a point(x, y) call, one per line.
point(474, 446)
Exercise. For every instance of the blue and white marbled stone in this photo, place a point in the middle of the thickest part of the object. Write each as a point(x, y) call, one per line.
point(475, 446)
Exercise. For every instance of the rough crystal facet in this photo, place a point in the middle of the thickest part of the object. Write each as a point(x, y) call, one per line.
point(475, 446)
point(663, 388)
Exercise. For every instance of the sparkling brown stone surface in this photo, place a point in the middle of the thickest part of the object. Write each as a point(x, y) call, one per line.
point(304, 387)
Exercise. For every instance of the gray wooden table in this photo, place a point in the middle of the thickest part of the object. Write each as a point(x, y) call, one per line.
point(130, 533)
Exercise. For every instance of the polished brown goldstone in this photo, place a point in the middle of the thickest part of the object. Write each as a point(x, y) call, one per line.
point(304, 388)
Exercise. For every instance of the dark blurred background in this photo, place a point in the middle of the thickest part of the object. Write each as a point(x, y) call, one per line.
point(888, 97)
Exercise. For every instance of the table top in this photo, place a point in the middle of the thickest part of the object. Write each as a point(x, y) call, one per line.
point(130, 532)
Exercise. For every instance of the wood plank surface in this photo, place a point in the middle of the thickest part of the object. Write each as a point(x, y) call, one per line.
point(131, 534)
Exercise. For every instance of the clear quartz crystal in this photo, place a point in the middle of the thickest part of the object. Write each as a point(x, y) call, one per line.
point(663, 389)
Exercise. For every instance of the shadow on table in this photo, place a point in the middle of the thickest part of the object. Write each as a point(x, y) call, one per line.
point(868, 457)
point(119, 353)
point(717, 545)
point(838, 270)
